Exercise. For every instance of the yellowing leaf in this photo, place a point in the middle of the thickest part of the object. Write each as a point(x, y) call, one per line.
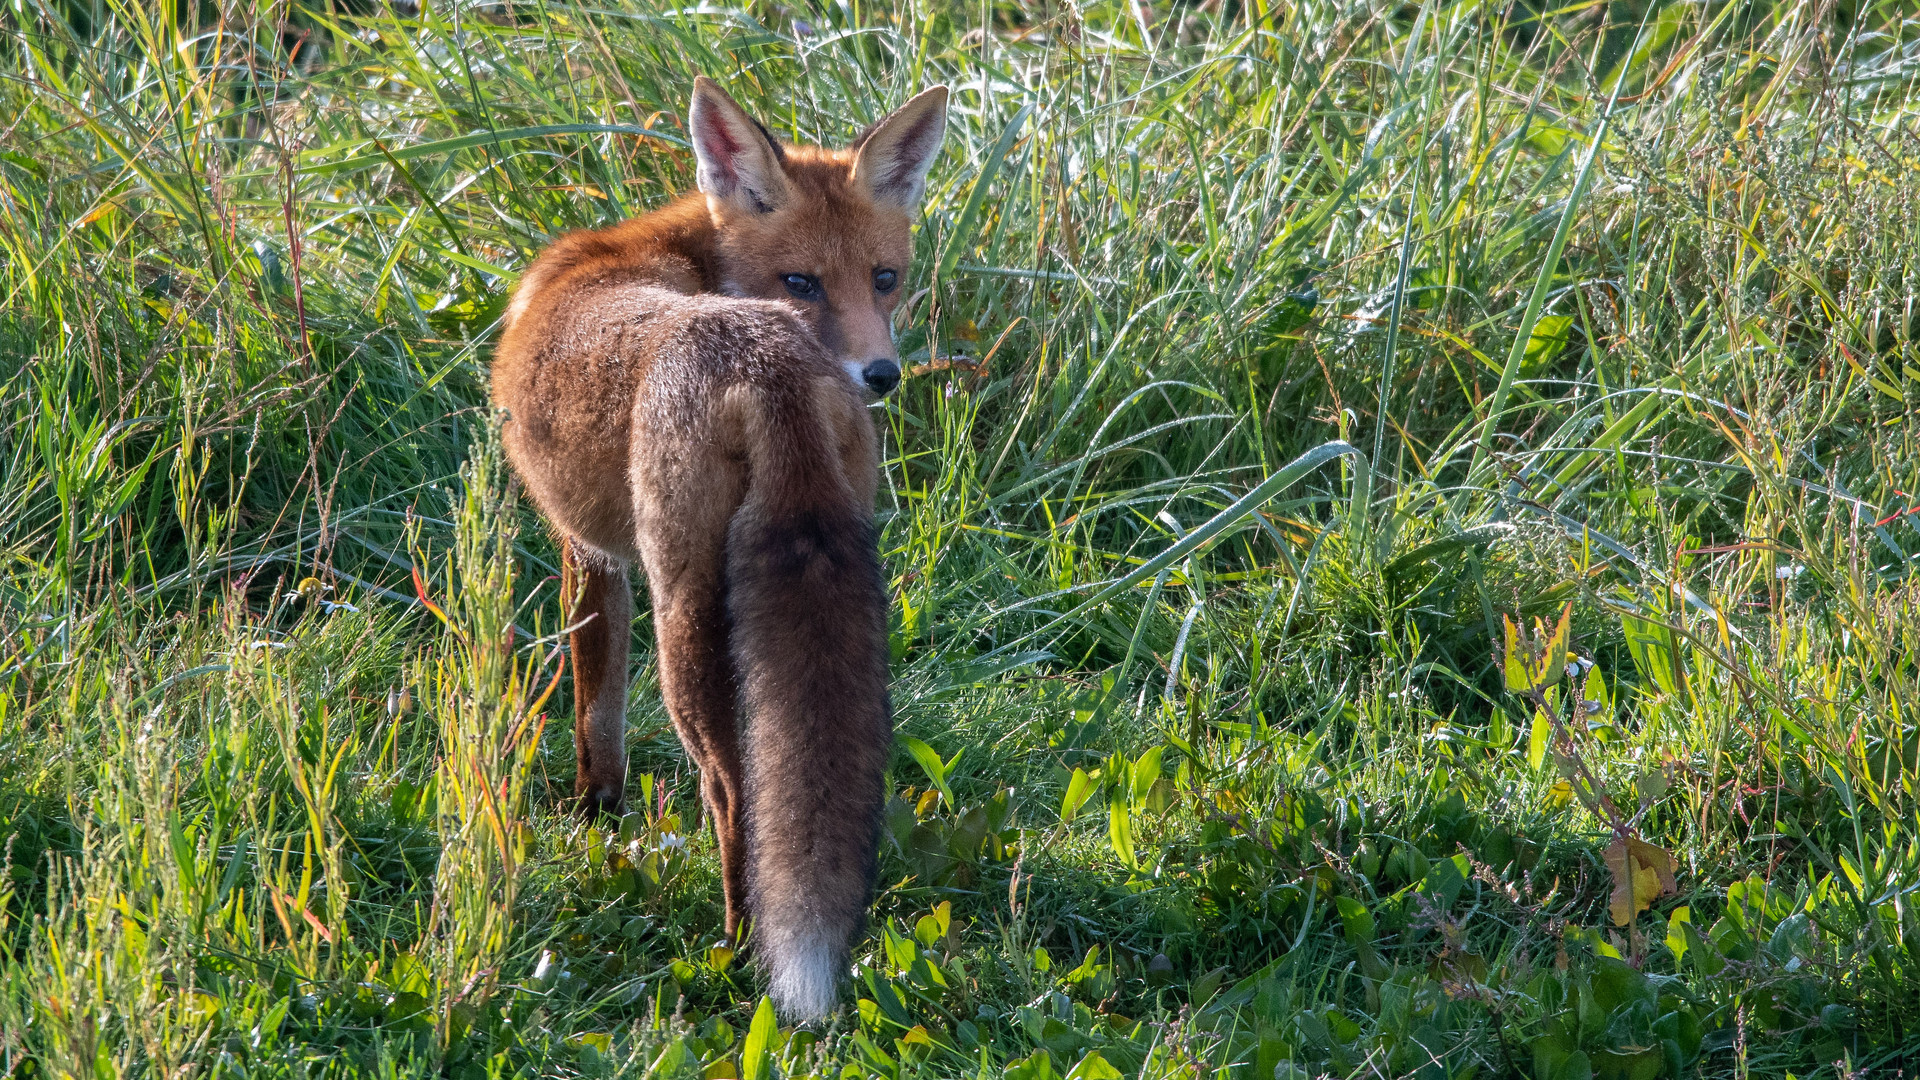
point(929, 800)
point(1518, 653)
point(599, 1040)
point(1533, 663)
point(1677, 932)
point(720, 1070)
point(1642, 873)
point(199, 1005)
point(1537, 742)
point(1555, 659)
point(1560, 795)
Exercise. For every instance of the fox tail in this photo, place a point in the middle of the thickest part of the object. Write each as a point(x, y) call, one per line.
point(809, 635)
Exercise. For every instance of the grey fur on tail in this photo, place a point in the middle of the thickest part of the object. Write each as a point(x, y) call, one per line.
point(809, 617)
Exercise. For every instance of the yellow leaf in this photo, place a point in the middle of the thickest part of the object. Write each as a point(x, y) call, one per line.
point(720, 1070)
point(1642, 873)
point(1676, 933)
point(1560, 795)
point(1538, 739)
point(599, 1040)
point(1518, 652)
point(1555, 661)
point(199, 1005)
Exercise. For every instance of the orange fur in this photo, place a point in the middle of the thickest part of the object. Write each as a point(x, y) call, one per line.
point(687, 391)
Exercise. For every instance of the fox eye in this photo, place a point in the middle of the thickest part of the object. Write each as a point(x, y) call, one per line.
point(801, 285)
point(884, 280)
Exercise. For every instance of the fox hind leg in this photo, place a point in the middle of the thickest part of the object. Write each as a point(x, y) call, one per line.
point(599, 602)
point(697, 682)
point(682, 539)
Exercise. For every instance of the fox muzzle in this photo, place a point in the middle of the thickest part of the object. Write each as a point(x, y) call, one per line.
point(880, 377)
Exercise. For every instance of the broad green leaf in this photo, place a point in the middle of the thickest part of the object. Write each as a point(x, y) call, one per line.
point(1577, 1066)
point(931, 764)
point(753, 1055)
point(1595, 702)
point(1120, 831)
point(1145, 772)
point(932, 927)
point(1355, 919)
point(1079, 790)
point(1549, 337)
point(1677, 932)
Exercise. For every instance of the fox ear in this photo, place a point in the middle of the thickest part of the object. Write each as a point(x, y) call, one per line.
point(896, 153)
point(738, 162)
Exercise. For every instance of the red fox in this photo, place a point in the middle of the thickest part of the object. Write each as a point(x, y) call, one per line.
point(687, 390)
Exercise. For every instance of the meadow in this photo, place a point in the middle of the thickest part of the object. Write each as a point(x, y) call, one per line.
point(1402, 527)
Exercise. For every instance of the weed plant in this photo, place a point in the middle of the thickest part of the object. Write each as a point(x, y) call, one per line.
point(1276, 369)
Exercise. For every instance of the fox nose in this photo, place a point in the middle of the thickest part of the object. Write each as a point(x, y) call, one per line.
point(881, 376)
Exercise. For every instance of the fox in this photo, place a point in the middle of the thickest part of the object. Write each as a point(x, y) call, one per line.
point(687, 392)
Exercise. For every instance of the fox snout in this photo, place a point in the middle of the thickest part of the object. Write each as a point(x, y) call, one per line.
point(874, 378)
point(880, 377)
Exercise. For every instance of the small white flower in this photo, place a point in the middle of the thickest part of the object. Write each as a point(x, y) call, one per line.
point(1789, 571)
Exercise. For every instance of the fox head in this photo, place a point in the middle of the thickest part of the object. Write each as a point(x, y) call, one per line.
point(827, 231)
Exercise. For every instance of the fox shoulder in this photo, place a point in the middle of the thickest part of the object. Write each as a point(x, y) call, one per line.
point(670, 248)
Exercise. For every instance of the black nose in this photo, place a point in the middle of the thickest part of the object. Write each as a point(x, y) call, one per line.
point(881, 376)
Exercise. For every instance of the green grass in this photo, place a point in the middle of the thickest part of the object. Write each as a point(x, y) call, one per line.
point(1272, 356)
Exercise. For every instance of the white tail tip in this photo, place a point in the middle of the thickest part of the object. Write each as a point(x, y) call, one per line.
point(804, 983)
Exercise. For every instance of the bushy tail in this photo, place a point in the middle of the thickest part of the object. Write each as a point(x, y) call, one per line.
point(809, 613)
